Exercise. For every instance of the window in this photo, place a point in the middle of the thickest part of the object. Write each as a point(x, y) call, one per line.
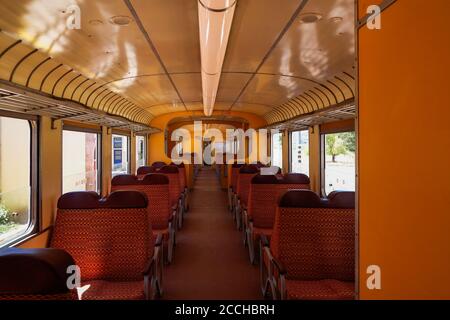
point(80, 161)
point(277, 150)
point(18, 181)
point(120, 155)
point(141, 151)
point(338, 161)
point(300, 152)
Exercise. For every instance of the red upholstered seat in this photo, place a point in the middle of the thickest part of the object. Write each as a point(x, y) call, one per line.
point(312, 246)
point(161, 216)
point(110, 239)
point(246, 173)
point(143, 171)
point(175, 190)
point(265, 190)
point(107, 290)
point(35, 274)
point(320, 290)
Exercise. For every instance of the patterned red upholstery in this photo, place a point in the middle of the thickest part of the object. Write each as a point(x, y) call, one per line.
point(182, 170)
point(245, 176)
point(172, 173)
point(320, 290)
point(143, 171)
point(107, 290)
point(234, 174)
point(263, 199)
point(35, 274)
point(314, 242)
point(156, 187)
point(109, 242)
point(293, 181)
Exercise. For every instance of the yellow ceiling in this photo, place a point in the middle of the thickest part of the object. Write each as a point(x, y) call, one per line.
point(275, 66)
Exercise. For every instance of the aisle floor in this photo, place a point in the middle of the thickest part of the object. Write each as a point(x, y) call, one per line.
point(210, 260)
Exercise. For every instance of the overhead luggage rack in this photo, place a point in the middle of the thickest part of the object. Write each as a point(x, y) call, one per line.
point(343, 111)
point(15, 98)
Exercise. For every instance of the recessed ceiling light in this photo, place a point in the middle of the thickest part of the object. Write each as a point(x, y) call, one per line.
point(310, 17)
point(95, 22)
point(336, 19)
point(120, 20)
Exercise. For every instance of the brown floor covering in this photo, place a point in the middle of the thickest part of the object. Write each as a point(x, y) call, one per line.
point(210, 261)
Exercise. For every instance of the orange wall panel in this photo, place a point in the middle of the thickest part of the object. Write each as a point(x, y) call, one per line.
point(404, 151)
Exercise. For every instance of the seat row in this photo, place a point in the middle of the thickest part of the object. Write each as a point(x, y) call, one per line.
point(306, 243)
point(118, 244)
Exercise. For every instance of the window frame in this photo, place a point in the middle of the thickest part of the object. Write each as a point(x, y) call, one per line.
point(98, 132)
point(290, 147)
point(128, 136)
point(272, 145)
point(145, 149)
point(35, 224)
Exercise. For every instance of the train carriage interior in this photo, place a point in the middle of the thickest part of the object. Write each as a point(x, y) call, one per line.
point(224, 150)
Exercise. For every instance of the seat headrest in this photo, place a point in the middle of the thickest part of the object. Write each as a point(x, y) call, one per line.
point(146, 170)
point(237, 165)
point(125, 180)
point(341, 199)
point(131, 180)
point(34, 271)
point(260, 165)
point(181, 165)
point(249, 169)
point(158, 164)
point(91, 200)
point(125, 199)
point(168, 170)
point(155, 179)
point(295, 178)
point(79, 200)
point(300, 199)
point(264, 179)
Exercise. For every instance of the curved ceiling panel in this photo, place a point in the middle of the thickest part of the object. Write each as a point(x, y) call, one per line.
point(23, 65)
point(147, 62)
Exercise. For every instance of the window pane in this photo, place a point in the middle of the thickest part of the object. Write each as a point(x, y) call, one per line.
point(277, 150)
point(15, 181)
point(119, 155)
point(140, 151)
point(340, 161)
point(300, 152)
point(80, 161)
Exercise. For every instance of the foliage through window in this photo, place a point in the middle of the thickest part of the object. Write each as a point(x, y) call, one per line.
point(339, 161)
point(16, 192)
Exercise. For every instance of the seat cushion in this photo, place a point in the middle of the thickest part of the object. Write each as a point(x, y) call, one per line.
point(113, 290)
point(320, 290)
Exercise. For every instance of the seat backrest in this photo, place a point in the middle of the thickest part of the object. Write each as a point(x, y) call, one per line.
point(312, 239)
point(246, 174)
point(35, 274)
point(263, 200)
point(182, 173)
point(143, 171)
point(294, 181)
point(156, 187)
point(234, 174)
point(173, 174)
point(109, 239)
point(158, 164)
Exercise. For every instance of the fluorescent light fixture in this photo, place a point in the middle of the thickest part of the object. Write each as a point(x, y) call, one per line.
point(215, 19)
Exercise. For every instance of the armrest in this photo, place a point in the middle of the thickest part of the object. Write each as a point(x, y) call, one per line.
point(264, 241)
point(159, 240)
point(279, 266)
point(152, 261)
